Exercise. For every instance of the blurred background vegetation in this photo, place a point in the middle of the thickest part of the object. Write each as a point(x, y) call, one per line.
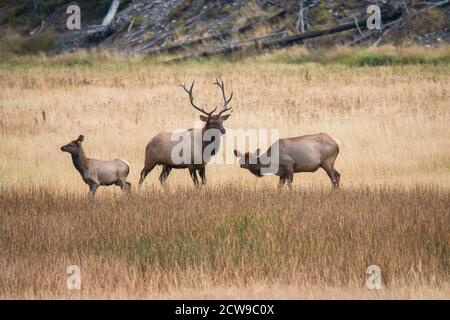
point(196, 28)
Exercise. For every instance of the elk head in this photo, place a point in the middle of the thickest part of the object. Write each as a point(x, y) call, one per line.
point(250, 161)
point(73, 146)
point(212, 121)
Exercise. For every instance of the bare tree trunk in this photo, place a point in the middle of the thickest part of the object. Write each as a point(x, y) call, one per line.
point(301, 20)
point(111, 13)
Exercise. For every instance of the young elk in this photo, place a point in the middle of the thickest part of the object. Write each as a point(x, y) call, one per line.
point(299, 154)
point(160, 149)
point(97, 173)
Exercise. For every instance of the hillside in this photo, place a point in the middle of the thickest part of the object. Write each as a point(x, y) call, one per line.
point(192, 28)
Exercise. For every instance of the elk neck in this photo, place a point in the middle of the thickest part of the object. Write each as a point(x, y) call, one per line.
point(207, 143)
point(256, 168)
point(80, 161)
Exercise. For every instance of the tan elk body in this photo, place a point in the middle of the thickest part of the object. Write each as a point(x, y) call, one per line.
point(97, 173)
point(159, 150)
point(299, 154)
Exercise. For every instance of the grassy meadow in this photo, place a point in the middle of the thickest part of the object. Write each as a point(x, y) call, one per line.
point(240, 237)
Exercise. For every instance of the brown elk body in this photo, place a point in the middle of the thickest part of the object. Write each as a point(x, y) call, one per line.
point(159, 150)
point(299, 154)
point(97, 173)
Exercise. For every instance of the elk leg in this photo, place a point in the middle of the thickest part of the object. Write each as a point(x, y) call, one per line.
point(330, 172)
point(194, 177)
point(290, 179)
point(125, 186)
point(165, 173)
point(202, 173)
point(145, 172)
point(282, 182)
point(92, 189)
point(289, 176)
point(338, 176)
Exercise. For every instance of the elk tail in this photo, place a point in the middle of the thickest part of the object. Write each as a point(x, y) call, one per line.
point(129, 167)
point(335, 140)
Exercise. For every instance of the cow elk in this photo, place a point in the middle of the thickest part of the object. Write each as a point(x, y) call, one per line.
point(97, 173)
point(159, 150)
point(299, 154)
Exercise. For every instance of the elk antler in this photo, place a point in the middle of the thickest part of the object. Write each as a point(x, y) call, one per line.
point(191, 98)
point(225, 100)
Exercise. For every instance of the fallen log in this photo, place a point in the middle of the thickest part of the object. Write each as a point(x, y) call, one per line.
point(293, 39)
point(361, 23)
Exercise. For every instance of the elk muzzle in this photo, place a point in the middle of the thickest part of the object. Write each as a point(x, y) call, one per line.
point(65, 148)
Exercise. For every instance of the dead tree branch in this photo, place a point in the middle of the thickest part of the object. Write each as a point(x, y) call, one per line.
point(293, 39)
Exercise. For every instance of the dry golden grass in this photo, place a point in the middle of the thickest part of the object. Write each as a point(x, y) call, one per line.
point(175, 242)
point(239, 237)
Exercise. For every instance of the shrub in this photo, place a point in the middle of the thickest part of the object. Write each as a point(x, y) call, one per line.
point(43, 42)
point(138, 20)
point(430, 21)
point(320, 15)
point(14, 43)
point(383, 56)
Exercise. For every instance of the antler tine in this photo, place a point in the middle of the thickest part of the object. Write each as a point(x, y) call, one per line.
point(191, 99)
point(225, 100)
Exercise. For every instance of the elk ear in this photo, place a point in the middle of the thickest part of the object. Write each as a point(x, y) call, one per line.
point(203, 118)
point(237, 153)
point(225, 117)
point(80, 139)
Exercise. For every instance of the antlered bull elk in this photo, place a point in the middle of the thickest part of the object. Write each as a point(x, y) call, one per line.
point(200, 144)
point(299, 154)
point(97, 173)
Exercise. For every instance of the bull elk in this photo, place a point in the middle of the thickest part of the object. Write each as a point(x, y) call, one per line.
point(97, 173)
point(299, 154)
point(159, 150)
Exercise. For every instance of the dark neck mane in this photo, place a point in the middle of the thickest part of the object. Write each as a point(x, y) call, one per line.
point(80, 160)
point(207, 143)
point(256, 170)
